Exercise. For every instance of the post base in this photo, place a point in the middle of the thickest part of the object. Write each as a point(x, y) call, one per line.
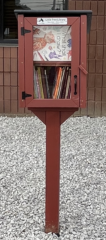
point(52, 228)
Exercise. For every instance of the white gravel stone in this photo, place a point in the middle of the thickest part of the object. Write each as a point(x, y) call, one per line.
point(82, 179)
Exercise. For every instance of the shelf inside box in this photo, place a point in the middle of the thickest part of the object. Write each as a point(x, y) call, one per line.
point(52, 63)
point(52, 82)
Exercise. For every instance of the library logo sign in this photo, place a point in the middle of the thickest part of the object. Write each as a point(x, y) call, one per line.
point(51, 21)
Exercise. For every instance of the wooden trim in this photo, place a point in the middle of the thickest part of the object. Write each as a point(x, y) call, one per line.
point(21, 62)
point(65, 115)
point(75, 60)
point(83, 59)
point(40, 114)
point(33, 21)
point(47, 103)
point(28, 62)
point(64, 109)
point(52, 63)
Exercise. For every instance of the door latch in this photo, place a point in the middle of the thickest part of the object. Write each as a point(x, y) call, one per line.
point(83, 69)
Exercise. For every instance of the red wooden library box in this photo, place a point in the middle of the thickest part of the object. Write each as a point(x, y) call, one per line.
point(52, 58)
point(52, 82)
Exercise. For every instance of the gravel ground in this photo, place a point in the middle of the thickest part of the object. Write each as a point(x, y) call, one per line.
point(82, 179)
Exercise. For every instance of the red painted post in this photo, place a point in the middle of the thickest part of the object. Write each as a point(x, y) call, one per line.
point(52, 171)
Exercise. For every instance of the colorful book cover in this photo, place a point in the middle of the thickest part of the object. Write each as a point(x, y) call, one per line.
point(52, 43)
point(68, 83)
point(65, 83)
point(43, 82)
point(47, 86)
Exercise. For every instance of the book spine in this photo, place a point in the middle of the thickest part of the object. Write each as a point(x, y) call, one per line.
point(40, 83)
point(60, 85)
point(35, 84)
point(43, 82)
point(47, 86)
point(54, 85)
point(51, 79)
point(35, 87)
point(57, 83)
point(69, 92)
point(65, 84)
point(38, 88)
point(68, 83)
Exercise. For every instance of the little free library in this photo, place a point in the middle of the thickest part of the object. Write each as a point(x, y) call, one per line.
point(52, 82)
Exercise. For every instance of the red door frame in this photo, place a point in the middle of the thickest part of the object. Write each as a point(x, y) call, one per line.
point(53, 103)
point(83, 62)
point(21, 62)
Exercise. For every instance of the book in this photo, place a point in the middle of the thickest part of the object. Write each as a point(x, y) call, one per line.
point(52, 43)
point(65, 83)
point(68, 83)
point(40, 83)
point(69, 92)
point(35, 84)
point(60, 86)
point(54, 84)
point(51, 78)
point(43, 82)
point(47, 86)
point(57, 82)
point(56, 76)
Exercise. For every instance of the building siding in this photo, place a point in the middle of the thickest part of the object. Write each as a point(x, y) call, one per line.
point(9, 82)
point(96, 58)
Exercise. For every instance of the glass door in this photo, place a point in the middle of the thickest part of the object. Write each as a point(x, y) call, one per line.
point(51, 62)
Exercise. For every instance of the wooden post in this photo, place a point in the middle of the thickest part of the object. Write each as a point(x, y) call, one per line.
point(52, 171)
point(53, 119)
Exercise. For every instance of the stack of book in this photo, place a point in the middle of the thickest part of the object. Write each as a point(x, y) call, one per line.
point(52, 82)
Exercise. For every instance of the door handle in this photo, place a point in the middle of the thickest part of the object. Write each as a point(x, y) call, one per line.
point(75, 84)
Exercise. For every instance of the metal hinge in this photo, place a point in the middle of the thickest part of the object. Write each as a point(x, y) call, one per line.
point(83, 69)
point(25, 95)
point(23, 31)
